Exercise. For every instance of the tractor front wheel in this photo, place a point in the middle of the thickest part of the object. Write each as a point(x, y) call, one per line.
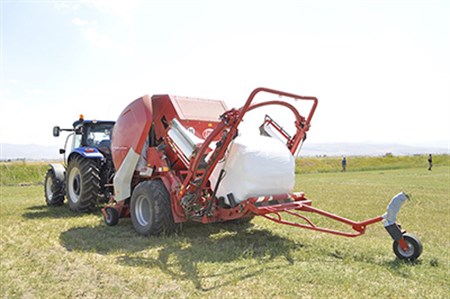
point(150, 209)
point(83, 184)
point(54, 189)
point(414, 248)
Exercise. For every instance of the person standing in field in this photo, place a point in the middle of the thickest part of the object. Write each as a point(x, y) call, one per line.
point(430, 162)
point(344, 163)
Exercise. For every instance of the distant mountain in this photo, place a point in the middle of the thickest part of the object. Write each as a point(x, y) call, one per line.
point(29, 152)
point(44, 152)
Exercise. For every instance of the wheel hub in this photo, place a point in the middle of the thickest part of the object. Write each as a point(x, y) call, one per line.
point(48, 189)
point(142, 210)
point(75, 185)
point(407, 253)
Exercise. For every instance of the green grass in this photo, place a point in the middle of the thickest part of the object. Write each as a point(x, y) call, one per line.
point(22, 173)
point(333, 164)
point(53, 253)
point(26, 173)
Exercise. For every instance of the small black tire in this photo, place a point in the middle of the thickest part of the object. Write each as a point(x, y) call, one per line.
point(150, 209)
point(54, 189)
point(83, 184)
point(415, 248)
point(112, 216)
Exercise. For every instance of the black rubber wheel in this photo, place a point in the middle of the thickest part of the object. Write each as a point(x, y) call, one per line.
point(54, 189)
point(83, 184)
point(414, 248)
point(150, 209)
point(112, 216)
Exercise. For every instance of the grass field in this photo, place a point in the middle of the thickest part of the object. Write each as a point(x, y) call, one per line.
point(53, 253)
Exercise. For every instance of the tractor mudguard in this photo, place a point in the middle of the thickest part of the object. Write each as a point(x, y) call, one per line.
point(86, 152)
point(59, 170)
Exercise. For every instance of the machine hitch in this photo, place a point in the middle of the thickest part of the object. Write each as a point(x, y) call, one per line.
point(406, 246)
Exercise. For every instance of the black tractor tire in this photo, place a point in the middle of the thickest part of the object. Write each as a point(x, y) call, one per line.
point(112, 216)
point(415, 248)
point(150, 209)
point(54, 189)
point(83, 184)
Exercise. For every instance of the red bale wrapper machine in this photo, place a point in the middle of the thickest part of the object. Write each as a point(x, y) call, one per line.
point(180, 159)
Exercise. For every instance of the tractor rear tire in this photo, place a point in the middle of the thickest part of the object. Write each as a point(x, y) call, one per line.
point(54, 189)
point(83, 184)
point(150, 209)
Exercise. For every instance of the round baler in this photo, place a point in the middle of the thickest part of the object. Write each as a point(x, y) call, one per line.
point(180, 159)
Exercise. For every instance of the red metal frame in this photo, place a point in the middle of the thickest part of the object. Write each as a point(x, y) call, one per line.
point(358, 227)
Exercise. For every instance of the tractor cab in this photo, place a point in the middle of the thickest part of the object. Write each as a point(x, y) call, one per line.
point(87, 137)
point(93, 133)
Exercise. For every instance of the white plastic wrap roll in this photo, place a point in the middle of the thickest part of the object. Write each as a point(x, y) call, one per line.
point(255, 166)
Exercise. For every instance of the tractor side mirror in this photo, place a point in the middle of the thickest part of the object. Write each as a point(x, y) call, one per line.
point(56, 131)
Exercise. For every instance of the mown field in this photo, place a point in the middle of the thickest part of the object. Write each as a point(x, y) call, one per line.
point(53, 253)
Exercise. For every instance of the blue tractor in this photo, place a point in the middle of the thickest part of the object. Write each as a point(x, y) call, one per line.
point(86, 177)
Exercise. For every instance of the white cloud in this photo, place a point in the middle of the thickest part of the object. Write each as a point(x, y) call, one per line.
point(7, 92)
point(61, 5)
point(13, 128)
point(93, 34)
point(36, 91)
point(119, 8)
point(123, 9)
point(81, 22)
point(98, 39)
point(99, 32)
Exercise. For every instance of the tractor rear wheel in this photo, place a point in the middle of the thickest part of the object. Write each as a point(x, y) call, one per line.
point(54, 189)
point(83, 184)
point(150, 209)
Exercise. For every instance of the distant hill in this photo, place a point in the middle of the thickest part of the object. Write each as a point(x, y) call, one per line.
point(44, 152)
point(29, 152)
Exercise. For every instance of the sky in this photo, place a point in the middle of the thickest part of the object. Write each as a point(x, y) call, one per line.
point(380, 69)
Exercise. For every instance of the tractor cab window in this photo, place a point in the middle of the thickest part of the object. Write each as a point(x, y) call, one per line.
point(73, 141)
point(76, 140)
point(99, 135)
